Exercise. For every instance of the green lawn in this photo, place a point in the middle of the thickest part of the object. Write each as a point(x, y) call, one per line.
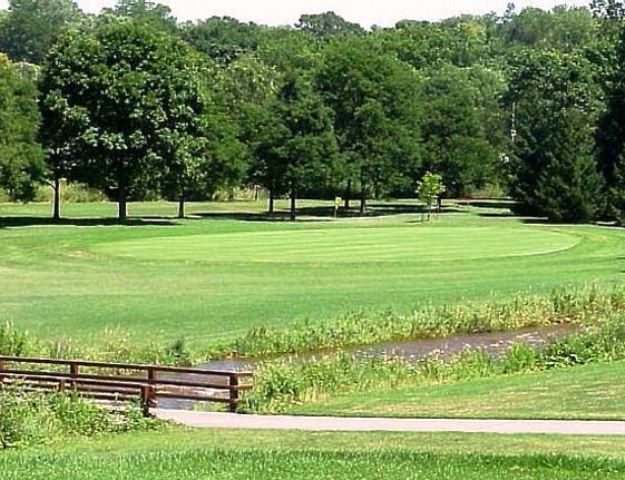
point(222, 454)
point(230, 268)
point(590, 392)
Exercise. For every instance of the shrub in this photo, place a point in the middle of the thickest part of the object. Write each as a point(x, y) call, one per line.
point(33, 418)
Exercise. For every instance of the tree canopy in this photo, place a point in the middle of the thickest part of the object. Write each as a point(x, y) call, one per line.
point(527, 103)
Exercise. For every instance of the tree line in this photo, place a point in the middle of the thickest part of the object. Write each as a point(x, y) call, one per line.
point(138, 105)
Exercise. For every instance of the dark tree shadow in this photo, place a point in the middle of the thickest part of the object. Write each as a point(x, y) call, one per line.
point(14, 222)
point(323, 213)
point(505, 214)
point(243, 217)
point(535, 221)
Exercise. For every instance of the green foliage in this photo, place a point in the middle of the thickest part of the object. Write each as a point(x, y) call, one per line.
point(578, 306)
point(564, 28)
point(223, 39)
point(71, 193)
point(462, 125)
point(21, 160)
point(29, 419)
point(136, 92)
point(281, 385)
point(554, 173)
point(300, 147)
point(328, 25)
point(13, 342)
point(376, 114)
point(611, 139)
point(430, 187)
point(569, 186)
point(154, 14)
point(31, 27)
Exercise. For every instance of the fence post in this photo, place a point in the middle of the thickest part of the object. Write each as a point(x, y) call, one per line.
point(234, 392)
point(152, 380)
point(74, 372)
point(145, 400)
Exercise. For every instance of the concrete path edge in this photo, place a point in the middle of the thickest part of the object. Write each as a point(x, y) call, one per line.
point(342, 424)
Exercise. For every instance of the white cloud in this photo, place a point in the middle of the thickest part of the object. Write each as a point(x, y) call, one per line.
point(365, 12)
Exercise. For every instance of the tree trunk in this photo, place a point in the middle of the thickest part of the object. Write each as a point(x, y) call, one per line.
point(182, 206)
point(272, 201)
point(348, 193)
point(293, 205)
point(363, 200)
point(122, 203)
point(56, 201)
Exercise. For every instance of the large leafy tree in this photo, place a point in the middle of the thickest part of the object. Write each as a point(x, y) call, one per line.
point(373, 99)
point(300, 145)
point(554, 172)
point(201, 156)
point(328, 25)
point(224, 39)
point(32, 26)
point(463, 126)
point(132, 88)
point(21, 159)
point(248, 90)
point(611, 138)
point(461, 41)
point(155, 14)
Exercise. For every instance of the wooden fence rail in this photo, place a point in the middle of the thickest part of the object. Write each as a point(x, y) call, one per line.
point(125, 382)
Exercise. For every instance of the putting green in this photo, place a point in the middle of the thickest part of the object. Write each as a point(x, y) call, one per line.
point(212, 279)
point(347, 245)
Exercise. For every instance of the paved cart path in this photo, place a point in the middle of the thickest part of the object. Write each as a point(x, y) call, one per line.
point(337, 424)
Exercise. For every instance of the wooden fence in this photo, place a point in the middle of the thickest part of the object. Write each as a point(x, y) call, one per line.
point(118, 382)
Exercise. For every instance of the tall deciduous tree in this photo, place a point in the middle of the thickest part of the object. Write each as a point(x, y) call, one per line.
point(611, 138)
point(133, 87)
point(21, 159)
point(463, 126)
point(301, 145)
point(376, 115)
point(155, 14)
point(224, 39)
point(248, 89)
point(32, 26)
point(327, 25)
point(554, 171)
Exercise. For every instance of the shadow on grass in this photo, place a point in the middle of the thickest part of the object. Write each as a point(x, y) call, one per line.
point(319, 213)
point(9, 222)
point(506, 214)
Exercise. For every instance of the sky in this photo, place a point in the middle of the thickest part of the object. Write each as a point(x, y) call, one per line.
point(366, 12)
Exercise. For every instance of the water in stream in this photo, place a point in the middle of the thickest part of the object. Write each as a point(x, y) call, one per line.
point(495, 343)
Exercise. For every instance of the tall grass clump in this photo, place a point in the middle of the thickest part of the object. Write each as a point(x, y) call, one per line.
point(580, 306)
point(281, 384)
point(14, 342)
point(35, 418)
point(116, 346)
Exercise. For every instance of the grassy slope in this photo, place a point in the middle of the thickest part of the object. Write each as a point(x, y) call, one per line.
point(268, 455)
point(587, 392)
point(219, 276)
